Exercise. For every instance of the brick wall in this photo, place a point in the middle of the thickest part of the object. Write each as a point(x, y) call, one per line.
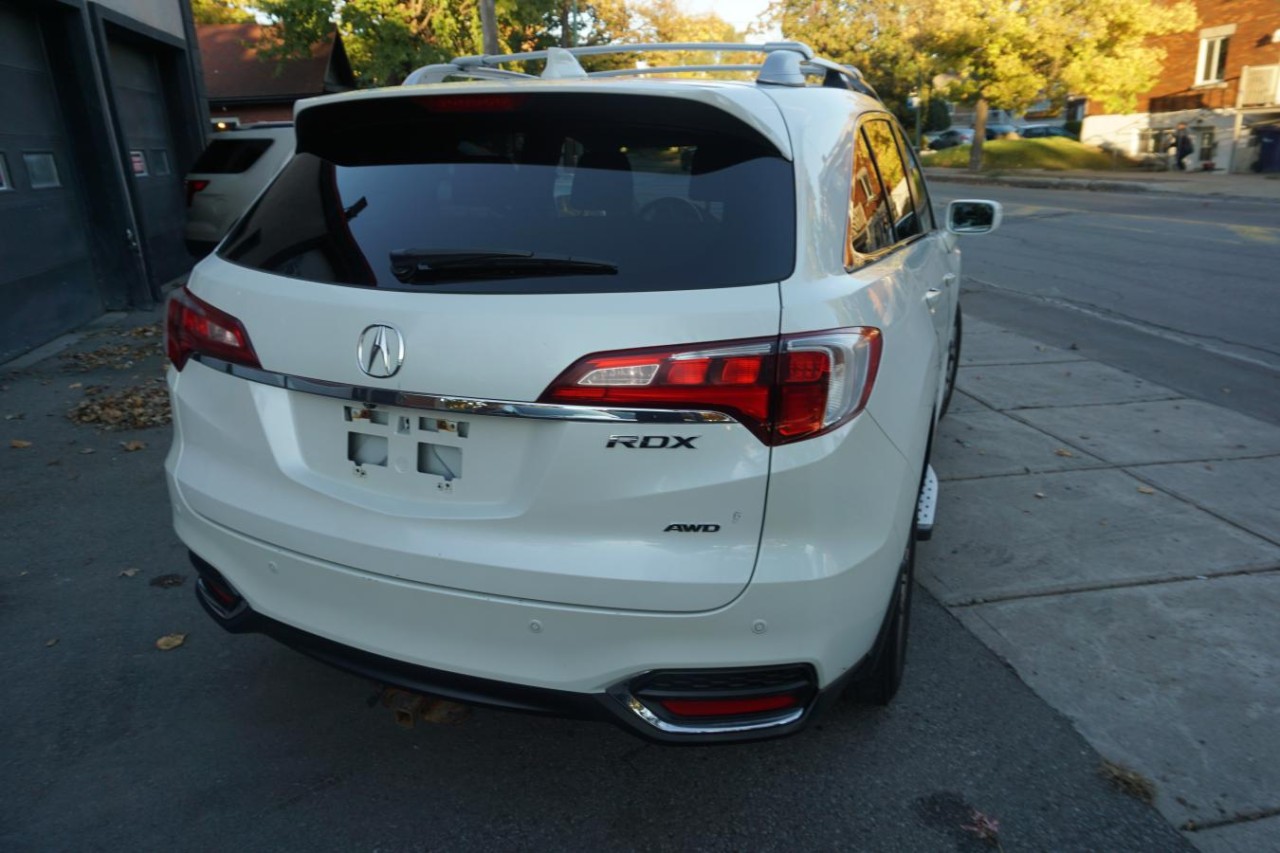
point(1255, 21)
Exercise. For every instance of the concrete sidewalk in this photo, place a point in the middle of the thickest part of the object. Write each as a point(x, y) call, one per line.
point(1250, 187)
point(1119, 546)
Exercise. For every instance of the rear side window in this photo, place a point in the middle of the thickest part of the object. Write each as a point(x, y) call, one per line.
point(870, 222)
point(888, 204)
point(919, 194)
point(230, 156)
point(893, 174)
point(654, 193)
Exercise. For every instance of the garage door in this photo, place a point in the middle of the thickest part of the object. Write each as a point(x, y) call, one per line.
point(47, 283)
point(144, 121)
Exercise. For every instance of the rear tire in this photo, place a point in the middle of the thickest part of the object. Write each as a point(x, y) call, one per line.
point(953, 362)
point(880, 684)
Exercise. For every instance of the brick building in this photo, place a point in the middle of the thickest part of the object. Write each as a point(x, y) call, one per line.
point(1222, 79)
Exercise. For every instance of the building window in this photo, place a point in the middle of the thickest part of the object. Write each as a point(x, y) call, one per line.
point(4, 175)
point(1211, 65)
point(42, 169)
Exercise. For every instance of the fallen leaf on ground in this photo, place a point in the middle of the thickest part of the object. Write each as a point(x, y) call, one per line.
point(16, 416)
point(1062, 451)
point(116, 356)
point(19, 444)
point(51, 643)
point(1146, 490)
point(131, 446)
point(75, 385)
point(141, 406)
point(86, 451)
point(1039, 494)
point(151, 331)
point(128, 573)
point(170, 641)
point(168, 581)
point(1128, 780)
point(984, 827)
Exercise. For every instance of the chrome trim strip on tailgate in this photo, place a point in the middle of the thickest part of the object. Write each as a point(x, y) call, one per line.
point(466, 405)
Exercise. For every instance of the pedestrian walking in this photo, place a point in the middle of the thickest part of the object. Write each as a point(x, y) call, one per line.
point(1183, 146)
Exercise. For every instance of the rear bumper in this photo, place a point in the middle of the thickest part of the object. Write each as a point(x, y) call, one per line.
point(616, 704)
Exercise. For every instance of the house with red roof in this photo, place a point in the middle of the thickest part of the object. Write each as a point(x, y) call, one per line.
point(244, 87)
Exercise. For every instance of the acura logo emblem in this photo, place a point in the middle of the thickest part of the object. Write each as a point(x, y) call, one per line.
point(380, 351)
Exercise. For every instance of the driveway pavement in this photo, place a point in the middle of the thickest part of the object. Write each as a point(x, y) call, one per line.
point(1119, 545)
point(1114, 542)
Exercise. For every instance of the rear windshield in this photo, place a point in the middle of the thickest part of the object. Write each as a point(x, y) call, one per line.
point(640, 192)
point(230, 156)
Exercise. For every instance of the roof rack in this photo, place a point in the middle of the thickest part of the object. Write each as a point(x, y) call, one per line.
point(786, 63)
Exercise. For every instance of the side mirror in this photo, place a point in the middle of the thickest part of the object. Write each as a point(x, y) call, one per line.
point(973, 216)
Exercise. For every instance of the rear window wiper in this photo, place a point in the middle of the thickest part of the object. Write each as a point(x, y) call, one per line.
point(428, 266)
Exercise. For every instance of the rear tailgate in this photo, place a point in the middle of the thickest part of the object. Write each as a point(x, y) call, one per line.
point(455, 483)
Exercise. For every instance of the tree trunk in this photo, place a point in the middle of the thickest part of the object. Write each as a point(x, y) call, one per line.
point(979, 135)
point(489, 26)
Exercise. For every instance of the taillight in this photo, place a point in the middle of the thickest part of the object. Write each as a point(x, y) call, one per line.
point(195, 326)
point(193, 187)
point(783, 389)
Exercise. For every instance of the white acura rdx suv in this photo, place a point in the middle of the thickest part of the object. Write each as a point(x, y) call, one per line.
point(606, 395)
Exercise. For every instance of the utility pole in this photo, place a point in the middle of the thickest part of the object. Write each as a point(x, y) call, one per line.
point(489, 26)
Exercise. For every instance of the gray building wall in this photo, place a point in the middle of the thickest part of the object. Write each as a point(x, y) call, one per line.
point(100, 118)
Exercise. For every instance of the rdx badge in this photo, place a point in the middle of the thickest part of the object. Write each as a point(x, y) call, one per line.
point(652, 442)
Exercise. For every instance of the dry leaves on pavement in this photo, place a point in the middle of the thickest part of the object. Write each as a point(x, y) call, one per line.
point(1146, 490)
point(151, 330)
point(1062, 451)
point(128, 573)
point(115, 356)
point(133, 446)
point(168, 581)
point(19, 444)
point(170, 641)
point(138, 407)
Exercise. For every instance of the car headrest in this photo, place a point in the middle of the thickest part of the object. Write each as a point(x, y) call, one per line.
point(603, 182)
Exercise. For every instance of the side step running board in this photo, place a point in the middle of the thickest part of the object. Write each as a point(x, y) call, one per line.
point(928, 505)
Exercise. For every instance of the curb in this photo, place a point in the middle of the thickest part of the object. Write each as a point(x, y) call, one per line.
point(1092, 185)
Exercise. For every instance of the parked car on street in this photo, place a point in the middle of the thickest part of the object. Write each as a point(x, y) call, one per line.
point(951, 137)
point(1044, 131)
point(228, 175)
point(604, 397)
point(954, 136)
point(1000, 131)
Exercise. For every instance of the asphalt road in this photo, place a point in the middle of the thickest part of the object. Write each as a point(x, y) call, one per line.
point(1181, 291)
point(235, 743)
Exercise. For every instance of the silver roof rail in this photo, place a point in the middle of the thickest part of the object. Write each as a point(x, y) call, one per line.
point(787, 63)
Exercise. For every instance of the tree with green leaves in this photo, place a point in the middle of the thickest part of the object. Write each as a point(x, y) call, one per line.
point(996, 53)
point(220, 12)
point(886, 40)
point(387, 39)
point(1010, 54)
